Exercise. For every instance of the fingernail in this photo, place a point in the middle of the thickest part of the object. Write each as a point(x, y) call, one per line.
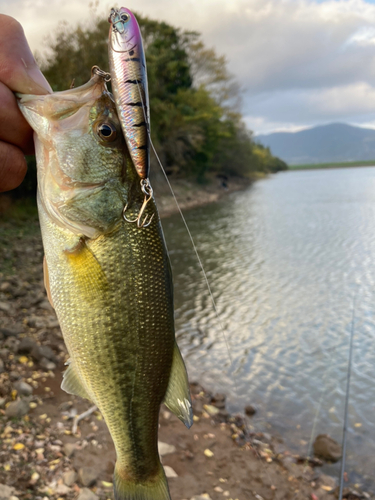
point(38, 78)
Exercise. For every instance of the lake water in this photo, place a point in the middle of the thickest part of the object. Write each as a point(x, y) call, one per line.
point(286, 260)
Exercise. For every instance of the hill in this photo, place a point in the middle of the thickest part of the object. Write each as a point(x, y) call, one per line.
point(336, 142)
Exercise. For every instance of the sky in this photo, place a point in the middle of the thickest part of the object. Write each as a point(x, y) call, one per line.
point(299, 63)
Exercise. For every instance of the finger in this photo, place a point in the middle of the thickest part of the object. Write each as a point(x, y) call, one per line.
point(12, 166)
point(18, 68)
point(14, 129)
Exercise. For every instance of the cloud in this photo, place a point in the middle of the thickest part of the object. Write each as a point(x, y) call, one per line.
point(299, 62)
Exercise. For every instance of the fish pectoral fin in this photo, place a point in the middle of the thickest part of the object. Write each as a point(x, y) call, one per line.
point(72, 384)
point(46, 281)
point(177, 398)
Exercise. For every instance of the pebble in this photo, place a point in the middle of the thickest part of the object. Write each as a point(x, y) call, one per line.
point(12, 343)
point(1, 366)
point(13, 375)
point(327, 448)
point(211, 410)
point(69, 449)
point(62, 489)
point(87, 476)
point(11, 331)
point(2, 402)
point(87, 494)
point(169, 472)
point(250, 410)
point(47, 352)
point(204, 496)
point(165, 449)
point(46, 364)
point(17, 409)
point(23, 388)
point(5, 307)
point(26, 345)
point(4, 353)
point(6, 492)
point(70, 477)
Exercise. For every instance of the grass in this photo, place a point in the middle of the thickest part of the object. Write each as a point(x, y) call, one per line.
point(368, 163)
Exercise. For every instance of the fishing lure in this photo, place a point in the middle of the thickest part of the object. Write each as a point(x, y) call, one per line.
point(127, 64)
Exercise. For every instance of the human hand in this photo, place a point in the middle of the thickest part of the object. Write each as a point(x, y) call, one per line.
point(18, 73)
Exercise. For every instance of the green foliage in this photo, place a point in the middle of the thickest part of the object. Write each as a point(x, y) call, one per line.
point(195, 124)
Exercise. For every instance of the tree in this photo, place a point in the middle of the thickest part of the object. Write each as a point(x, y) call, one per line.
point(196, 126)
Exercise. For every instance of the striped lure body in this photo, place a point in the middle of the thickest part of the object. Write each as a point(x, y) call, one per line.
point(129, 85)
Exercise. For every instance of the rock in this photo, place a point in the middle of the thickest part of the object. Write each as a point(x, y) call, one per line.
point(14, 375)
point(204, 496)
point(87, 494)
point(12, 343)
point(327, 448)
point(17, 409)
point(2, 402)
point(169, 472)
point(11, 331)
point(4, 353)
point(218, 400)
point(6, 492)
point(26, 345)
point(5, 307)
point(45, 305)
point(326, 480)
point(62, 489)
point(47, 365)
point(69, 449)
point(2, 368)
point(211, 410)
point(250, 410)
point(35, 322)
point(195, 388)
point(70, 477)
point(5, 286)
point(87, 476)
point(23, 388)
point(165, 449)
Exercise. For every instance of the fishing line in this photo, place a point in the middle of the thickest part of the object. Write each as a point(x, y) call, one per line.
point(345, 428)
point(183, 219)
point(265, 465)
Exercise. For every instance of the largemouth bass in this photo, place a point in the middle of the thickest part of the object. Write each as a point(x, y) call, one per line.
point(109, 281)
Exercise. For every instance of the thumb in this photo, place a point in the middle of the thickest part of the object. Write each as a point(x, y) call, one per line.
point(18, 68)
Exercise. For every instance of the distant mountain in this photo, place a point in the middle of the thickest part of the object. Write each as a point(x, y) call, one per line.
point(323, 144)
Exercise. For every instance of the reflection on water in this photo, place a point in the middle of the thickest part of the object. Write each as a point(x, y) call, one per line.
point(285, 259)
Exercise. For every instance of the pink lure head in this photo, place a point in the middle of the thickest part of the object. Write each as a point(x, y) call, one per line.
point(125, 31)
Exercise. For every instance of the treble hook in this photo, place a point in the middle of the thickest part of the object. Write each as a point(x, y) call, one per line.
point(148, 192)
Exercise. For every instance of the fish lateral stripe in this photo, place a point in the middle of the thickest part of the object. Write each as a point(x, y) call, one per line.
point(142, 124)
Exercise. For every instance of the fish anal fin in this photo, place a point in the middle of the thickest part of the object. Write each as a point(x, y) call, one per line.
point(177, 398)
point(72, 384)
point(46, 281)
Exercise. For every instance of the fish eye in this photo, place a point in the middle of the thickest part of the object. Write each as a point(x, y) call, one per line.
point(125, 17)
point(106, 131)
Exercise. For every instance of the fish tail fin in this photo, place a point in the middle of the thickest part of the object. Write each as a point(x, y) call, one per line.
point(154, 489)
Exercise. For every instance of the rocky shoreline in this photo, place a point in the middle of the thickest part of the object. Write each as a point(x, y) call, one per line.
point(55, 446)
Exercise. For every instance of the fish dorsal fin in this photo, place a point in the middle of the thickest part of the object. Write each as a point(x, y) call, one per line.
point(177, 398)
point(72, 384)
